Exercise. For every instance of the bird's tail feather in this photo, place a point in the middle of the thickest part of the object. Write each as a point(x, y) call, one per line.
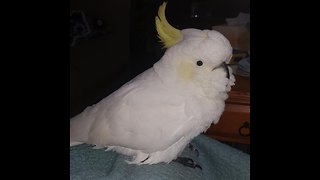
point(74, 143)
point(80, 127)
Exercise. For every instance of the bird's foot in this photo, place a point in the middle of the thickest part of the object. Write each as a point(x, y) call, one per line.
point(187, 162)
point(193, 149)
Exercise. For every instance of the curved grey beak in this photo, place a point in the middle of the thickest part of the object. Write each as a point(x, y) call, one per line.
point(225, 66)
point(227, 69)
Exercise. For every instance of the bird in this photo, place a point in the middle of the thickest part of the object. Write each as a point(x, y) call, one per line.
point(153, 117)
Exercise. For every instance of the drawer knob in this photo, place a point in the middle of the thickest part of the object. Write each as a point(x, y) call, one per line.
point(244, 130)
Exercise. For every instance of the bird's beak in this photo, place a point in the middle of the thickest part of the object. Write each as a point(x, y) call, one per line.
point(225, 66)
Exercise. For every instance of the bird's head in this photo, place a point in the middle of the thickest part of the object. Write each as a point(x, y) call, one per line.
point(200, 57)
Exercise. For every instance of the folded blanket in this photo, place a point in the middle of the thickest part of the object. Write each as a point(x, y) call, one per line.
point(218, 161)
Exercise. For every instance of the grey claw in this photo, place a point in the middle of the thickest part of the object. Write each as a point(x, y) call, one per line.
point(187, 162)
point(144, 160)
point(192, 148)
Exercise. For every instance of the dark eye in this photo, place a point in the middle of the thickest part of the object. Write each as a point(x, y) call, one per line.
point(199, 63)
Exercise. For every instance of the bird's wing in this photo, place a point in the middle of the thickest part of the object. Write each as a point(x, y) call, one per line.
point(145, 115)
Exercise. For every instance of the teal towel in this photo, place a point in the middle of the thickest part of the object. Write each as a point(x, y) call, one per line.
point(218, 161)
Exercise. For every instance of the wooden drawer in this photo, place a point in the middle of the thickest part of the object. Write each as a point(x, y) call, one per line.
point(234, 125)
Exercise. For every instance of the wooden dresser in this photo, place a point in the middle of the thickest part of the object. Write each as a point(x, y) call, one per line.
point(234, 124)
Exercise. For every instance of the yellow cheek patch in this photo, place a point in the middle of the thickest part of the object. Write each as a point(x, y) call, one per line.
point(186, 71)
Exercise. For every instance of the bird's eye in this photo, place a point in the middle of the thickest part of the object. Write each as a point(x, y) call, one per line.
point(199, 63)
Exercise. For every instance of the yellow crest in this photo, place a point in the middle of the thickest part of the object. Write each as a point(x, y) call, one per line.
point(168, 35)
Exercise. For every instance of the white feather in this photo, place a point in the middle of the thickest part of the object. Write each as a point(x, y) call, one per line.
point(154, 116)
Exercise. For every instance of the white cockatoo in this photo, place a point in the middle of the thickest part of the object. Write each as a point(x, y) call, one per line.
point(154, 116)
